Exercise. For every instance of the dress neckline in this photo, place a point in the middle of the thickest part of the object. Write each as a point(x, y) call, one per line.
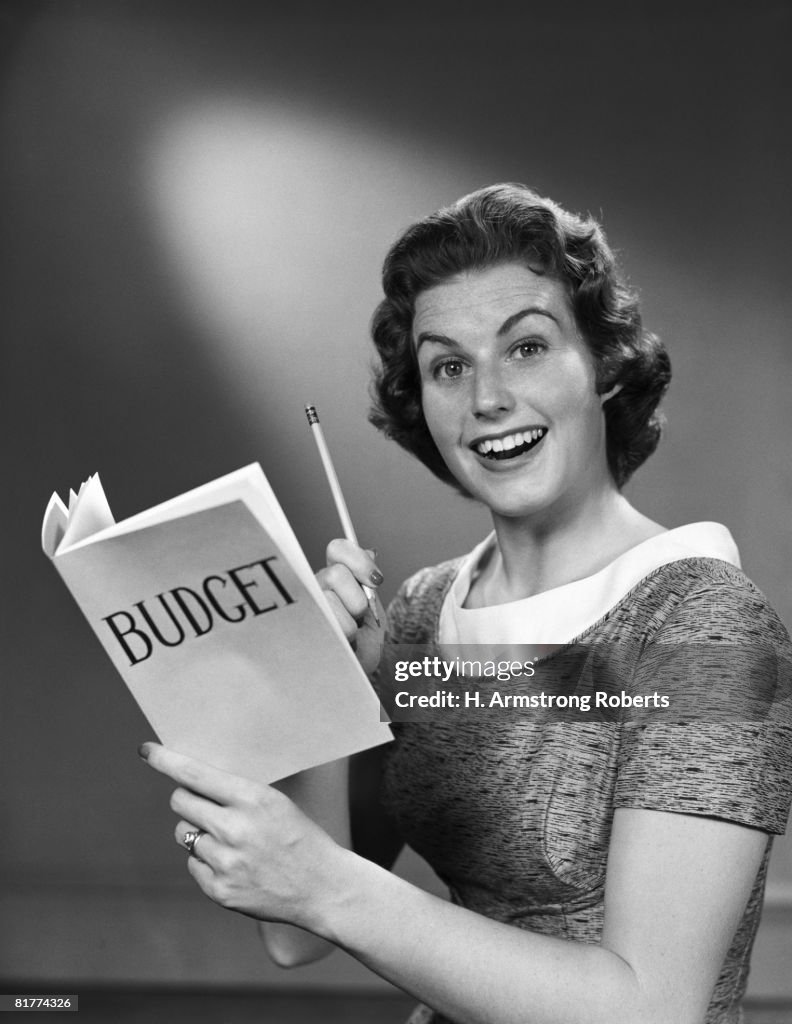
point(558, 615)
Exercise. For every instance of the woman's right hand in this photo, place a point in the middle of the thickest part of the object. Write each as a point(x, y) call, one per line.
point(349, 568)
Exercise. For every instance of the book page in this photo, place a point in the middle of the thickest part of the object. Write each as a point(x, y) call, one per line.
point(89, 513)
point(53, 527)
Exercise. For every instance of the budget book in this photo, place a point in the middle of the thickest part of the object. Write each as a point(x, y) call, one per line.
point(209, 610)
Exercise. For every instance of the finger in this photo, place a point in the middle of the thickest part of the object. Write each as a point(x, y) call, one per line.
point(210, 782)
point(348, 625)
point(205, 847)
point(358, 560)
point(204, 876)
point(181, 830)
point(210, 882)
point(338, 580)
point(204, 814)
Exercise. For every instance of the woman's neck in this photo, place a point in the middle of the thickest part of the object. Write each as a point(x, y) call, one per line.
point(534, 556)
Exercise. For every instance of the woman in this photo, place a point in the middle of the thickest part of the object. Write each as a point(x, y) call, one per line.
point(600, 871)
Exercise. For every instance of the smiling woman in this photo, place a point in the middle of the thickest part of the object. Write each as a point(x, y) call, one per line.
point(510, 224)
point(515, 366)
point(602, 867)
point(489, 382)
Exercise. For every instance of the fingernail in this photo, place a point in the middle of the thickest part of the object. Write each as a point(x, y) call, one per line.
point(376, 577)
point(143, 751)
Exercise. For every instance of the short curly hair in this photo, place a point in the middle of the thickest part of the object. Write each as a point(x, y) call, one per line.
point(511, 223)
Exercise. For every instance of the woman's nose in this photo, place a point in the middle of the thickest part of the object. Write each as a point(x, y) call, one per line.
point(491, 394)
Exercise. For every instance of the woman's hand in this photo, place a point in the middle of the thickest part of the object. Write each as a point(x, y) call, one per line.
point(260, 855)
point(348, 569)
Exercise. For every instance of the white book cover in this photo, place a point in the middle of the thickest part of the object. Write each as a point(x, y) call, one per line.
point(209, 610)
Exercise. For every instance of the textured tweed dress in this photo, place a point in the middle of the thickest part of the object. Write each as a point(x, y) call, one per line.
point(514, 811)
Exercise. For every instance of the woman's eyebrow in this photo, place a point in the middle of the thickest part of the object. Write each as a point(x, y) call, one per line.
point(507, 324)
point(438, 339)
point(505, 327)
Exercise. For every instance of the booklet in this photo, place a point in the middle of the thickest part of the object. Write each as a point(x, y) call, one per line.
point(208, 608)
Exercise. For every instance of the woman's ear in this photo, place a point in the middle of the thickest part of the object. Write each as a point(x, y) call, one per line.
point(609, 394)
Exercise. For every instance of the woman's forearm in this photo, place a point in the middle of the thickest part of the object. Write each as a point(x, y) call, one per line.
point(470, 968)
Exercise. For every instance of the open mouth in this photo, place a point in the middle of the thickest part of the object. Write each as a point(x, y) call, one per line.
point(510, 446)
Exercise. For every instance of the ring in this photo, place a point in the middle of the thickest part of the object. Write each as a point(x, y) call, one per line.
point(190, 841)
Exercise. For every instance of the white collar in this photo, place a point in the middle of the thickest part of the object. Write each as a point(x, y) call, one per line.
point(559, 615)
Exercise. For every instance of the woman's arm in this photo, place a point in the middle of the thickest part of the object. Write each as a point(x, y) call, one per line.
point(676, 888)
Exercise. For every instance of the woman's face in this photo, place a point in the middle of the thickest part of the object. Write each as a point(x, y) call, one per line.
point(509, 390)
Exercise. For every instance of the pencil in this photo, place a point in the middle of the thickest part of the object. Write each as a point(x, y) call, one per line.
point(338, 496)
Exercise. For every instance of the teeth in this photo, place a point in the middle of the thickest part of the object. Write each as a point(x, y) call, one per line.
point(506, 444)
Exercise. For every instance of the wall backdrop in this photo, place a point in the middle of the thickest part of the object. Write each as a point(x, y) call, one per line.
point(196, 201)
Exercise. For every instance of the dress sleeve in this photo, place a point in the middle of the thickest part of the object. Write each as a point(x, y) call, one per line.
point(410, 620)
point(722, 745)
point(413, 612)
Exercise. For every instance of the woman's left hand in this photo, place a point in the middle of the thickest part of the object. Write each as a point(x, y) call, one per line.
point(259, 854)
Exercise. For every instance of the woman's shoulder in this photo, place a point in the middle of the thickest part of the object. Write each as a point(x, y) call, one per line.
point(699, 571)
point(712, 648)
point(706, 594)
point(414, 610)
point(431, 579)
point(694, 603)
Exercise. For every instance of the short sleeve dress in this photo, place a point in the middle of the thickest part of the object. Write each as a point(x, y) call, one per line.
point(514, 812)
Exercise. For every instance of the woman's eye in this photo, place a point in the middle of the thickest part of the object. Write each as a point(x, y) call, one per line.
point(449, 369)
point(527, 349)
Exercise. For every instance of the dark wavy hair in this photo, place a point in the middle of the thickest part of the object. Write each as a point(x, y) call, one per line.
point(511, 223)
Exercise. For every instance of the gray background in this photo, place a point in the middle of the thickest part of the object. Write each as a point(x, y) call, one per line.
point(196, 200)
